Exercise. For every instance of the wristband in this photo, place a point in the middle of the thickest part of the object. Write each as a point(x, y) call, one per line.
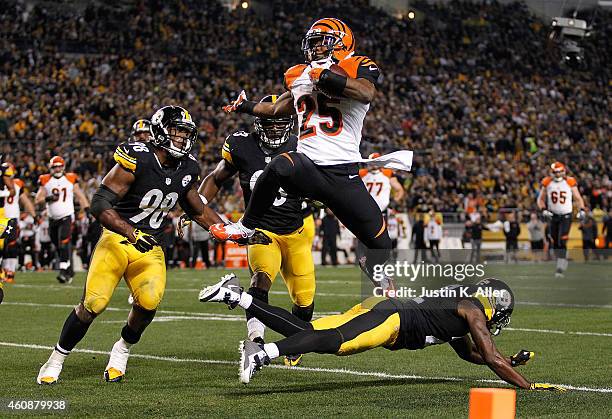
point(247, 106)
point(332, 83)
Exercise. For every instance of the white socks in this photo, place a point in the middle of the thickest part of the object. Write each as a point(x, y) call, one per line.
point(255, 329)
point(245, 300)
point(272, 350)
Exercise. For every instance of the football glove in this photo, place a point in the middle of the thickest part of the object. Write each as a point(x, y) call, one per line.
point(521, 357)
point(183, 222)
point(581, 214)
point(143, 242)
point(547, 214)
point(236, 104)
point(546, 387)
point(258, 238)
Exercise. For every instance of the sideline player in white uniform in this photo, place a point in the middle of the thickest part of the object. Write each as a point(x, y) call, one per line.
point(379, 183)
point(331, 96)
point(58, 189)
point(556, 203)
point(12, 210)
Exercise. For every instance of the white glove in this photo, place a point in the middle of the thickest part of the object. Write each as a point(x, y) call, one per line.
point(581, 214)
point(547, 214)
point(4, 193)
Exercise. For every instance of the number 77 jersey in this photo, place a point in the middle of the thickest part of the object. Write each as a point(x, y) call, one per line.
point(330, 128)
point(156, 189)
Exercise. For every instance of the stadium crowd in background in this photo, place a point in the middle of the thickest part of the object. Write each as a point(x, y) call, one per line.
point(474, 89)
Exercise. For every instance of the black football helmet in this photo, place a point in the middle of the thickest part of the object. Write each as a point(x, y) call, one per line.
point(140, 126)
point(167, 119)
point(273, 133)
point(502, 305)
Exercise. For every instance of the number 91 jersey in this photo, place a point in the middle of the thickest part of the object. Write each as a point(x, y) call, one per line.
point(156, 189)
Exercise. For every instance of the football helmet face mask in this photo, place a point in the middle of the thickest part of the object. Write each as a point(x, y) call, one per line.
point(57, 166)
point(558, 171)
point(502, 304)
point(173, 130)
point(273, 133)
point(141, 131)
point(328, 37)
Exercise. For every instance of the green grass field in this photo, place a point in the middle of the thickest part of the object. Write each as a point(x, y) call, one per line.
point(186, 363)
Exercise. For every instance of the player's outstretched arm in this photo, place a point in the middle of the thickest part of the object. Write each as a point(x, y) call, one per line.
point(467, 351)
point(282, 108)
point(194, 207)
point(83, 201)
point(486, 347)
point(114, 187)
point(9, 187)
point(27, 204)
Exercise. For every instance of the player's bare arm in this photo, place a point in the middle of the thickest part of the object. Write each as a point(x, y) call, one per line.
point(465, 348)
point(214, 180)
point(27, 204)
point(202, 214)
point(359, 89)
point(283, 106)
point(40, 197)
point(542, 198)
point(486, 347)
point(578, 197)
point(114, 187)
point(398, 190)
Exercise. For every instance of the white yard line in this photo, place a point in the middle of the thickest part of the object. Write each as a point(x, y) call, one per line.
point(305, 369)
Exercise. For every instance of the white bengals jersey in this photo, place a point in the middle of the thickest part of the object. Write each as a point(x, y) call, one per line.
point(559, 194)
point(11, 205)
point(378, 183)
point(64, 186)
point(330, 128)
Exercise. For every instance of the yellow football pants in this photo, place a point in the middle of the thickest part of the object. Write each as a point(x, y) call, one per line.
point(145, 273)
point(291, 255)
point(379, 334)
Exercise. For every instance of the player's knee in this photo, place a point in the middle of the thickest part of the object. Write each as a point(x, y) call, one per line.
point(260, 280)
point(87, 315)
point(303, 312)
point(148, 300)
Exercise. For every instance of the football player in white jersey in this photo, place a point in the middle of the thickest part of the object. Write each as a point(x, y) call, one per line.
point(12, 210)
point(380, 182)
point(556, 203)
point(57, 189)
point(331, 95)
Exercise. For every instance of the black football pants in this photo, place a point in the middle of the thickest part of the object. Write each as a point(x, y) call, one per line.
point(60, 231)
point(559, 230)
point(339, 187)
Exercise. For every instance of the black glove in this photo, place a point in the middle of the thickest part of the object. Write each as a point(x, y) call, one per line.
point(52, 198)
point(143, 241)
point(258, 238)
point(521, 357)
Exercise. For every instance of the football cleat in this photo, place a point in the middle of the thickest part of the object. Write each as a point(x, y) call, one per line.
point(559, 274)
point(227, 291)
point(63, 277)
point(233, 231)
point(293, 360)
point(117, 364)
point(252, 359)
point(49, 372)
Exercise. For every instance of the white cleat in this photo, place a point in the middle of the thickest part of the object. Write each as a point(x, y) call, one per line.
point(50, 371)
point(252, 359)
point(117, 364)
point(227, 291)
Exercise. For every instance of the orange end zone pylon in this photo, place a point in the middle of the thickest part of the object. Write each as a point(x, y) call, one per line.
point(492, 403)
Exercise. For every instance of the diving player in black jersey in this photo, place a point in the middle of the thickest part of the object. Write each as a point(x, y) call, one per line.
point(147, 181)
point(478, 310)
point(291, 231)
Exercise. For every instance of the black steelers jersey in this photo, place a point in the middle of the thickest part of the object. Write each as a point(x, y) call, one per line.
point(242, 151)
point(156, 190)
point(426, 321)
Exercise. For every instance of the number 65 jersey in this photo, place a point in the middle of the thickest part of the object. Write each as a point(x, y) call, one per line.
point(559, 194)
point(156, 189)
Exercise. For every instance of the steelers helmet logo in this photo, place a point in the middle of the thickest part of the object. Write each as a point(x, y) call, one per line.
point(186, 180)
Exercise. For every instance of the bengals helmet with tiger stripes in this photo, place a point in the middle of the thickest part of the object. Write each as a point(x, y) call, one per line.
point(332, 34)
